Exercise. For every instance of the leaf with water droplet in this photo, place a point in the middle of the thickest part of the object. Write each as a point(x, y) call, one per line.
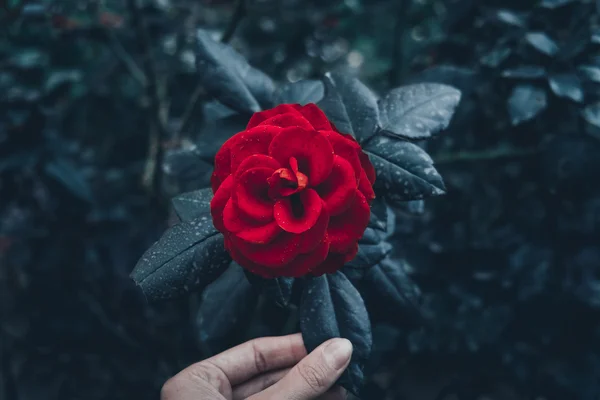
point(350, 105)
point(229, 77)
point(331, 307)
point(192, 205)
point(188, 256)
point(418, 111)
point(301, 92)
point(525, 102)
point(404, 171)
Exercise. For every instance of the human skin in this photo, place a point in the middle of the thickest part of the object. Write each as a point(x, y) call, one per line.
point(265, 369)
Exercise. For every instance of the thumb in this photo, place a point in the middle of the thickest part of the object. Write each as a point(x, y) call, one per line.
point(314, 375)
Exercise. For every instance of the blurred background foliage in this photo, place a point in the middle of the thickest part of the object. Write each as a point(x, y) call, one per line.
point(100, 109)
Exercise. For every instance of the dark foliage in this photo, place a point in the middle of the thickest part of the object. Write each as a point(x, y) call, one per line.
point(108, 109)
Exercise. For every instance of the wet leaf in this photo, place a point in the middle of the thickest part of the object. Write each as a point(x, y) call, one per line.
point(350, 105)
point(301, 92)
point(192, 205)
point(332, 307)
point(404, 171)
point(418, 111)
point(229, 77)
point(188, 256)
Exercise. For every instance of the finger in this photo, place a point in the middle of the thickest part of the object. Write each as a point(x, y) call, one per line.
point(202, 382)
point(314, 375)
point(258, 384)
point(258, 356)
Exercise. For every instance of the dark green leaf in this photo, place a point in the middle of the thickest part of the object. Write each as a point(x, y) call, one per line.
point(404, 171)
point(71, 177)
point(187, 257)
point(591, 114)
point(392, 288)
point(542, 43)
point(591, 72)
point(192, 205)
point(229, 77)
point(332, 307)
point(418, 111)
point(226, 307)
point(357, 109)
point(510, 18)
point(555, 3)
point(301, 92)
point(278, 290)
point(525, 102)
point(370, 255)
point(567, 85)
point(525, 72)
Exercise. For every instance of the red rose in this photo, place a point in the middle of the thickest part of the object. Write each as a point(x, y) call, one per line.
point(291, 193)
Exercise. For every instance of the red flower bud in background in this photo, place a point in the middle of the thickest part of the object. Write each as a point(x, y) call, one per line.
point(292, 194)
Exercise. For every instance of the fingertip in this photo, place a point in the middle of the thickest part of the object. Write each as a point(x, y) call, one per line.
point(337, 353)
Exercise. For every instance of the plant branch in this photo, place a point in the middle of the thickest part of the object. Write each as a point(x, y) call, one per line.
point(126, 58)
point(238, 14)
point(190, 110)
point(155, 107)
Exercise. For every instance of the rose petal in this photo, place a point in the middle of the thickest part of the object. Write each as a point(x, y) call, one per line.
point(338, 190)
point(300, 177)
point(257, 160)
point(345, 229)
point(365, 162)
point(310, 148)
point(222, 166)
point(282, 183)
point(253, 267)
point(232, 220)
point(317, 118)
point(261, 234)
point(304, 263)
point(219, 201)
point(252, 141)
point(252, 194)
point(346, 148)
point(274, 254)
point(365, 187)
point(335, 261)
point(287, 120)
point(261, 116)
point(307, 241)
point(299, 213)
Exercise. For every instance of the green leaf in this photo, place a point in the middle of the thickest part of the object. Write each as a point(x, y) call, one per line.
point(418, 111)
point(188, 256)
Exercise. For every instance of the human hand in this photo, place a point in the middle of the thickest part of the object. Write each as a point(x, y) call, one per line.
point(264, 369)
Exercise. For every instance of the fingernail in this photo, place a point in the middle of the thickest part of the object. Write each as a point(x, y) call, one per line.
point(337, 353)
